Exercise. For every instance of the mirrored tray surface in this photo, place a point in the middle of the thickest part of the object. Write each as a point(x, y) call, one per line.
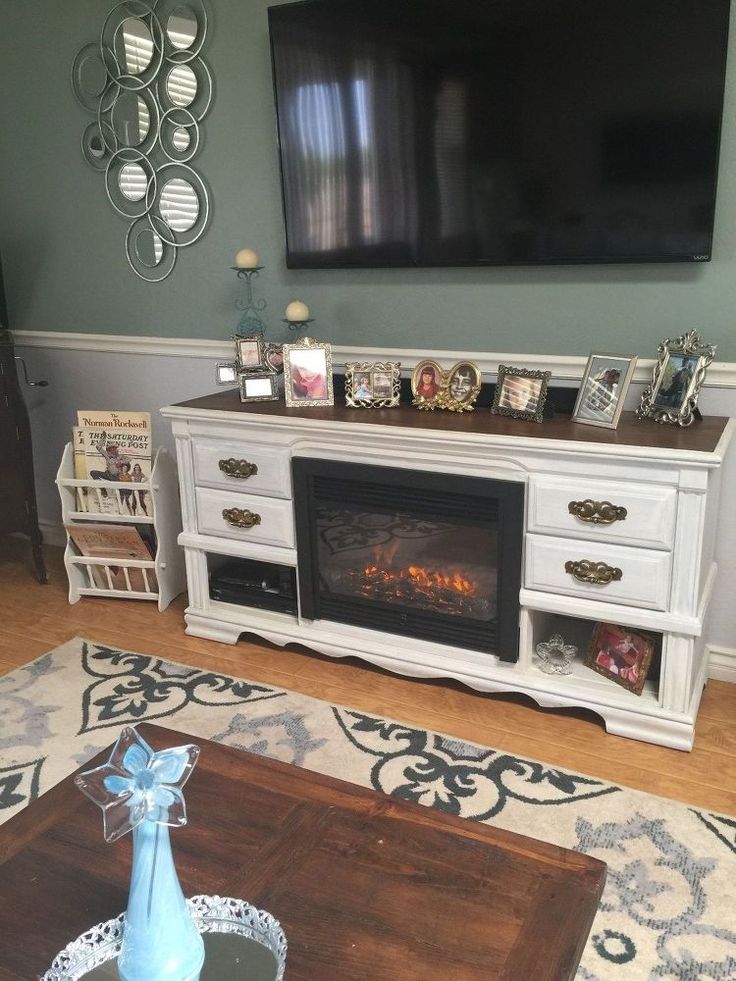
point(240, 942)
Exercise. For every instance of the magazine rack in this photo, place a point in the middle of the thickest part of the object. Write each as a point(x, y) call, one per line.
point(163, 576)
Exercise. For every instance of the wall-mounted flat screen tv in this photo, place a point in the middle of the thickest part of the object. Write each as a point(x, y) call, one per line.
point(498, 132)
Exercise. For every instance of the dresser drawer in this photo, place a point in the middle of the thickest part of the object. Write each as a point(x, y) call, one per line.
point(632, 514)
point(251, 467)
point(272, 520)
point(644, 573)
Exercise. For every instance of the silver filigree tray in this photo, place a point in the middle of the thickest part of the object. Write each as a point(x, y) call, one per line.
point(235, 934)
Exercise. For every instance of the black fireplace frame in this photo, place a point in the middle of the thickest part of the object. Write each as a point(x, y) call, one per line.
point(508, 498)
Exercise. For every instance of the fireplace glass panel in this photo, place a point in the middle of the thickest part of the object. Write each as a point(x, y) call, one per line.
point(399, 558)
point(434, 556)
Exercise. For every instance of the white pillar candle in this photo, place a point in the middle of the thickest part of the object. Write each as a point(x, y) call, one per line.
point(247, 259)
point(297, 311)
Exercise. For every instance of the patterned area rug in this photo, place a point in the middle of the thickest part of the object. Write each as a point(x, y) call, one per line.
point(668, 910)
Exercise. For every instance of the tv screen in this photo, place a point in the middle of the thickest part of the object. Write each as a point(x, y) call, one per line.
point(498, 132)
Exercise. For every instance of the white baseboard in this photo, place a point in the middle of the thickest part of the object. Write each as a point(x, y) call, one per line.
point(722, 663)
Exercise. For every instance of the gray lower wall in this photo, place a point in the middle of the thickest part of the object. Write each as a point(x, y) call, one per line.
point(93, 380)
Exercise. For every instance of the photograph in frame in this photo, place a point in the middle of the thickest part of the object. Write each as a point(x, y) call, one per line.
point(308, 373)
point(520, 393)
point(621, 654)
point(426, 385)
point(250, 352)
point(678, 375)
point(226, 373)
point(372, 384)
point(463, 387)
point(258, 386)
point(603, 389)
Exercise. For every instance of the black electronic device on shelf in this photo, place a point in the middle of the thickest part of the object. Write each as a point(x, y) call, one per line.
point(259, 584)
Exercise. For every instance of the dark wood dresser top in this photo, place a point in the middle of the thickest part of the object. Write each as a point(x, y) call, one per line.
point(701, 437)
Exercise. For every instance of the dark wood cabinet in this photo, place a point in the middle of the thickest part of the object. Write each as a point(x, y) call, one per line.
point(17, 489)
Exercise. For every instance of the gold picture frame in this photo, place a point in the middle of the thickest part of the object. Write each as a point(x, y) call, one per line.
point(427, 381)
point(461, 388)
point(372, 384)
point(308, 373)
point(603, 389)
point(620, 654)
point(520, 393)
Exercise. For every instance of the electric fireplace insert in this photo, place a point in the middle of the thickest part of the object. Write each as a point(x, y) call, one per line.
point(427, 555)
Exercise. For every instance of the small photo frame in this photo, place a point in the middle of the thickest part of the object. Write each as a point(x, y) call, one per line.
point(258, 386)
point(521, 393)
point(226, 373)
point(426, 385)
point(603, 389)
point(621, 655)
point(462, 387)
point(678, 375)
point(308, 373)
point(250, 352)
point(372, 384)
point(273, 357)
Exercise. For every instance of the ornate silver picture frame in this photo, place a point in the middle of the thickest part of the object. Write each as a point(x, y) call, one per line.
point(372, 384)
point(672, 395)
point(258, 386)
point(308, 373)
point(226, 373)
point(250, 352)
point(603, 389)
point(521, 393)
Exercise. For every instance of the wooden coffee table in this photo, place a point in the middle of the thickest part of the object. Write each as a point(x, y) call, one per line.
point(366, 887)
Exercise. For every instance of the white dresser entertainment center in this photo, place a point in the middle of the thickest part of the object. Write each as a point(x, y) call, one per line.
point(634, 508)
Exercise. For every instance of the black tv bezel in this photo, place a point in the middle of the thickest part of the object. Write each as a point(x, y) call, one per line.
point(637, 260)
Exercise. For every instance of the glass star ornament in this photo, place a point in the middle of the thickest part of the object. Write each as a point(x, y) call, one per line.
point(137, 784)
point(555, 656)
point(139, 790)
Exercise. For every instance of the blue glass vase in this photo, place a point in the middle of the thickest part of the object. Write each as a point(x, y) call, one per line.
point(140, 791)
point(160, 940)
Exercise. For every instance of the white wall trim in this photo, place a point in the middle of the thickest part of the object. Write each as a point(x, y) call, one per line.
point(721, 374)
point(722, 663)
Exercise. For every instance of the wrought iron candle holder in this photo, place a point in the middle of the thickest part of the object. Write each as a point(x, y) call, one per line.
point(250, 320)
point(298, 325)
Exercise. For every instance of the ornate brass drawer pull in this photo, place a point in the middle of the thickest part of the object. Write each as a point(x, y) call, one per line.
point(241, 517)
point(597, 512)
point(596, 572)
point(242, 469)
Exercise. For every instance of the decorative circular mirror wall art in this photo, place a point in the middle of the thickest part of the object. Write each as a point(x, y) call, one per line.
point(149, 89)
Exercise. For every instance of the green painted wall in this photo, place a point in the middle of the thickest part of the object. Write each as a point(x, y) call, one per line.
point(62, 245)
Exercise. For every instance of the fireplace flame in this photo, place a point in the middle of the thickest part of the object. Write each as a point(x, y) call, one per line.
point(427, 578)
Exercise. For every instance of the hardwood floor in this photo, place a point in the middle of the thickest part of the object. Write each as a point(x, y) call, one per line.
point(37, 618)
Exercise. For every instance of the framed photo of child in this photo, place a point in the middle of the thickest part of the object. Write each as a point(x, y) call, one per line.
point(372, 384)
point(308, 373)
point(621, 655)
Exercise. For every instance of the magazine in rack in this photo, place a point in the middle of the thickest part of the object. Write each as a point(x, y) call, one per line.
point(111, 541)
point(113, 446)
